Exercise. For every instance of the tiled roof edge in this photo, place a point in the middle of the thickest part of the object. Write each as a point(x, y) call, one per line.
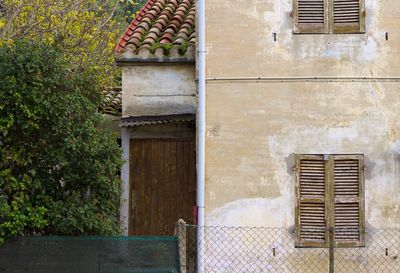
point(132, 121)
point(188, 116)
point(128, 58)
point(163, 30)
point(125, 37)
point(112, 101)
point(166, 60)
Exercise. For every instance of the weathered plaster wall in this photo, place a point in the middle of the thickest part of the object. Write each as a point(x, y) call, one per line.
point(253, 129)
point(158, 89)
point(252, 136)
point(240, 42)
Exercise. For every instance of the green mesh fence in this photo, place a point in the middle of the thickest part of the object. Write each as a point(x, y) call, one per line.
point(89, 255)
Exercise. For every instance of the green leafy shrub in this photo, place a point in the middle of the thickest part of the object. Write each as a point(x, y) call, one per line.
point(58, 168)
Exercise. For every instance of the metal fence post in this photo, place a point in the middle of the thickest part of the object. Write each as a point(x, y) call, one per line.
point(331, 250)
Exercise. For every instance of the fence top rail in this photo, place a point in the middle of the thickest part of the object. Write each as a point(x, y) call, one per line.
point(291, 229)
point(99, 238)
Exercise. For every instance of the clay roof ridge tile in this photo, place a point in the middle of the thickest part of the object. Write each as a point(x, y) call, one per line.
point(165, 41)
point(180, 16)
point(144, 46)
point(155, 30)
point(145, 26)
point(140, 29)
point(183, 33)
point(185, 4)
point(161, 2)
point(148, 41)
point(150, 16)
point(178, 19)
point(160, 24)
point(192, 37)
point(158, 6)
point(167, 35)
point(136, 35)
point(180, 13)
point(170, 7)
point(166, 13)
point(170, 31)
point(134, 45)
point(190, 21)
point(179, 40)
point(170, 11)
point(164, 16)
point(186, 25)
point(144, 51)
point(163, 22)
point(152, 35)
point(153, 11)
point(131, 46)
point(182, 7)
point(175, 24)
point(157, 10)
point(146, 19)
point(191, 14)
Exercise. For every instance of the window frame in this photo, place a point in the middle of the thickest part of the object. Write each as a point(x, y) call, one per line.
point(330, 200)
point(329, 26)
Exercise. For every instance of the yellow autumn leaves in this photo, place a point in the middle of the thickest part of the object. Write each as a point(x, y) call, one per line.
point(86, 30)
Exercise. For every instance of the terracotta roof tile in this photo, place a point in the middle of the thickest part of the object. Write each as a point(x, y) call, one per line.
point(112, 101)
point(165, 24)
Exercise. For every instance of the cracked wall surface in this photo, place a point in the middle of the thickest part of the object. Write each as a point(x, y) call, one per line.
point(163, 89)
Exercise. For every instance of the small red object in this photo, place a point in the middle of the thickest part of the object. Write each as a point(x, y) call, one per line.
point(195, 213)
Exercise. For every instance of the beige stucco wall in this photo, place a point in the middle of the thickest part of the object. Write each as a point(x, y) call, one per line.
point(253, 129)
point(162, 89)
point(240, 42)
point(252, 135)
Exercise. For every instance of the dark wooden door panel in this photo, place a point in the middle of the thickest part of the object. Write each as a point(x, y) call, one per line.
point(162, 184)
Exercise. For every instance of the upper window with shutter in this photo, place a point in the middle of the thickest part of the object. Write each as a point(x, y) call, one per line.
point(329, 16)
point(329, 194)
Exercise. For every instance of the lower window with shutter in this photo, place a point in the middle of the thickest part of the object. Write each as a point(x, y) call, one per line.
point(329, 194)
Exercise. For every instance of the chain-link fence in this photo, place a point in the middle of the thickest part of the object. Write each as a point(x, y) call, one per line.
point(222, 249)
point(239, 249)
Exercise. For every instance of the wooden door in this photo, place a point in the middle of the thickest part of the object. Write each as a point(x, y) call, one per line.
point(162, 184)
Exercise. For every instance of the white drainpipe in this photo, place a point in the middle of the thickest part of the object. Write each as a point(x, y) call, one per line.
point(201, 128)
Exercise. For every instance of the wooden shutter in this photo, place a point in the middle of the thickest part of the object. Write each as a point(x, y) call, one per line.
point(310, 16)
point(311, 207)
point(348, 16)
point(349, 200)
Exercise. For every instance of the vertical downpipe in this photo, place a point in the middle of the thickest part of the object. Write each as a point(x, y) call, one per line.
point(201, 29)
point(331, 250)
